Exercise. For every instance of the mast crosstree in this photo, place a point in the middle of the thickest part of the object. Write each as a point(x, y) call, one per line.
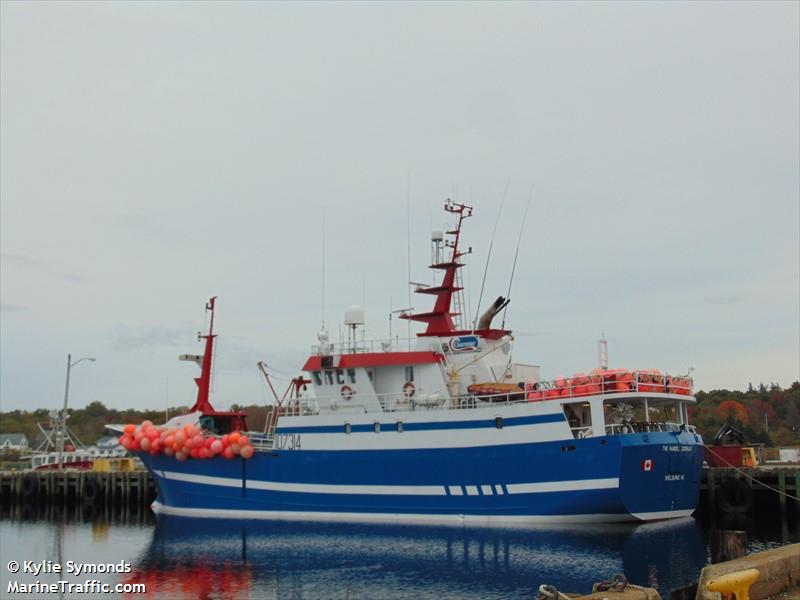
point(440, 320)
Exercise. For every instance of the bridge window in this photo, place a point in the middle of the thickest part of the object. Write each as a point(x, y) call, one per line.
point(632, 414)
point(579, 417)
point(351, 375)
point(339, 376)
point(409, 373)
point(329, 377)
point(317, 377)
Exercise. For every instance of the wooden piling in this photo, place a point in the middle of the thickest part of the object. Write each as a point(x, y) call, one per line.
point(797, 490)
point(712, 492)
point(727, 545)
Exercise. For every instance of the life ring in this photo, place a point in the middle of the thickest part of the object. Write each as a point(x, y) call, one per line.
point(409, 389)
point(735, 497)
point(346, 392)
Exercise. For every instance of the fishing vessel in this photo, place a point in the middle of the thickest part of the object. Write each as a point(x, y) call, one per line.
point(74, 455)
point(446, 427)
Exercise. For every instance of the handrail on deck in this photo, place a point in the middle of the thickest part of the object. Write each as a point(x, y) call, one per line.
point(647, 427)
point(372, 346)
point(540, 391)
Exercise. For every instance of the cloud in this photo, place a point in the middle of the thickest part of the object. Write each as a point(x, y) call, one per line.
point(13, 308)
point(138, 225)
point(42, 267)
point(724, 300)
point(123, 339)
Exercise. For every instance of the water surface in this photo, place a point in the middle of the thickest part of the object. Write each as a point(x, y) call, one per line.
point(192, 558)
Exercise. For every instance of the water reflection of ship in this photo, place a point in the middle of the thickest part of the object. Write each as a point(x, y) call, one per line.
point(308, 560)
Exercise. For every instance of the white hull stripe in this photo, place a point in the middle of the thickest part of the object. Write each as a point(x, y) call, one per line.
point(519, 520)
point(563, 486)
point(393, 490)
point(664, 514)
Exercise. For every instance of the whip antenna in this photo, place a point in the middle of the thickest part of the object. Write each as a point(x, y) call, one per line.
point(489, 256)
point(516, 254)
point(322, 308)
point(408, 247)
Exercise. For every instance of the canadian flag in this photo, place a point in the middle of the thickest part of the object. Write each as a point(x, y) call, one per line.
point(647, 464)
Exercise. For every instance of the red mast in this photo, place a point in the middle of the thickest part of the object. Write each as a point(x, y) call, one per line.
point(204, 381)
point(440, 319)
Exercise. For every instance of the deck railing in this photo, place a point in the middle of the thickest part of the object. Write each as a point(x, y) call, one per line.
point(562, 388)
point(587, 431)
point(647, 427)
point(378, 345)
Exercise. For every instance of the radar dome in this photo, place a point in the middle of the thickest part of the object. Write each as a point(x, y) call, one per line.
point(354, 315)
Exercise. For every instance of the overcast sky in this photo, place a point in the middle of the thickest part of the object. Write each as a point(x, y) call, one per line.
point(155, 154)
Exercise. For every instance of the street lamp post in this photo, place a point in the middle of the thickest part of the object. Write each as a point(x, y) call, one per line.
point(63, 419)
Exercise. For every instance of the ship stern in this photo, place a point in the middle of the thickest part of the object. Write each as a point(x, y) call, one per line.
point(660, 474)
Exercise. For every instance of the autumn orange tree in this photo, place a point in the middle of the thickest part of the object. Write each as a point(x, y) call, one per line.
point(731, 410)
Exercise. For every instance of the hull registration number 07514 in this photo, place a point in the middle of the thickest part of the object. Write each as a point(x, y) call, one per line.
point(287, 441)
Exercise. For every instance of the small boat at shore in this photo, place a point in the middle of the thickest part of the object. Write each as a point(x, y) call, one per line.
point(443, 428)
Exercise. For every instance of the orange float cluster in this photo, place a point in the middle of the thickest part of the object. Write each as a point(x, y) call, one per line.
point(609, 381)
point(184, 442)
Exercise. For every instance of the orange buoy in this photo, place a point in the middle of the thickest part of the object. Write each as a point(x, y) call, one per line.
point(532, 393)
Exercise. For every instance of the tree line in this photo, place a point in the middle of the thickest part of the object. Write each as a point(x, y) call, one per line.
point(767, 414)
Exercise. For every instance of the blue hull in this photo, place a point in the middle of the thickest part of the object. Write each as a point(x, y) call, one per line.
point(613, 478)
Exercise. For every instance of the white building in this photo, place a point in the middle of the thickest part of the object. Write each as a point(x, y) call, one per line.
point(13, 441)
